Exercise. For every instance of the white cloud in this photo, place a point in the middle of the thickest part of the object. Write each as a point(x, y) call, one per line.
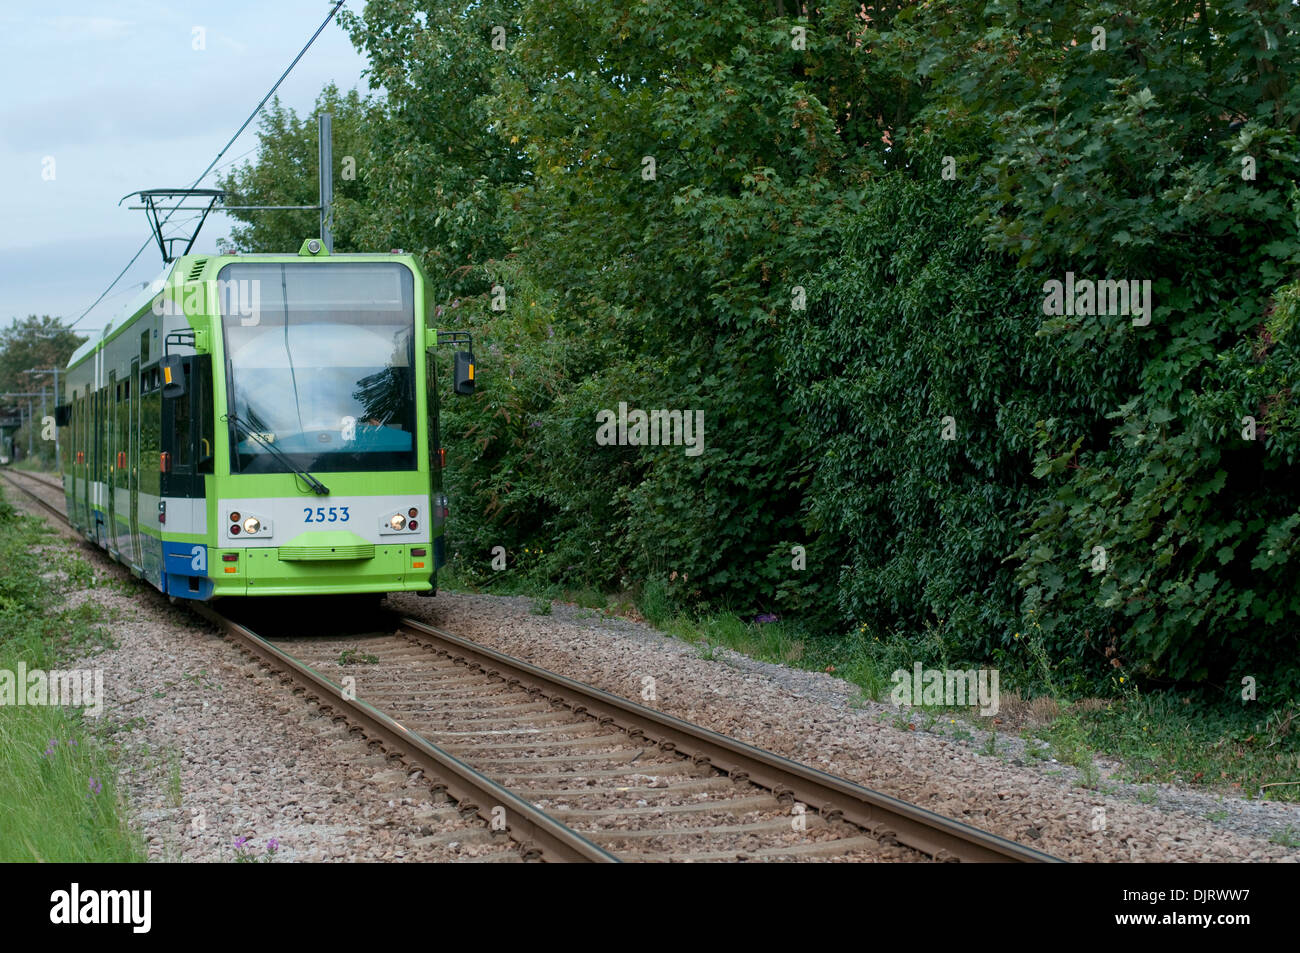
point(100, 27)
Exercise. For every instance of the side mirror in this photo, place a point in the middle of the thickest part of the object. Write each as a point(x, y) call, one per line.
point(463, 372)
point(173, 373)
point(62, 415)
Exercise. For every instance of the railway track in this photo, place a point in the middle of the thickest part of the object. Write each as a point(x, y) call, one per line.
point(638, 783)
point(49, 479)
point(573, 773)
point(39, 488)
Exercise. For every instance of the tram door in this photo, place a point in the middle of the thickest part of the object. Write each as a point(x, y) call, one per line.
point(96, 432)
point(113, 400)
point(88, 458)
point(133, 461)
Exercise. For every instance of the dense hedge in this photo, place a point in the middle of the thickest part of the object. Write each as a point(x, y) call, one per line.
point(914, 335)
point(921, 170)
point(973, 533)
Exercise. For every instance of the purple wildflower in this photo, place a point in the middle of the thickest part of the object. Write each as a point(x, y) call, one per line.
point(765, 617)
point(95, 786)
point(272, 845)
point(240, 842)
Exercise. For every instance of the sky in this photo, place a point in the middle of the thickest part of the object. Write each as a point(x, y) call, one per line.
point(101, 99)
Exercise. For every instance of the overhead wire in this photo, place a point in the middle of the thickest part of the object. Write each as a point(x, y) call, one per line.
point(213, 163)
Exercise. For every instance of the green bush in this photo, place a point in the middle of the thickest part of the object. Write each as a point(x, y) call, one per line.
point(921, 170)
point(914, 322)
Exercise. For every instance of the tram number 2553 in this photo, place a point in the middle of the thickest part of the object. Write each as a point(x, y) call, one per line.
point(333, 514)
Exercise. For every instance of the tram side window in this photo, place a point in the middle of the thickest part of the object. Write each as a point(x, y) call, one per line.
point(101, 434)
point(119, 429)
point(183, 424)
point(74, 431)
point(203, 413)
point(97, 432)
point(70, 437)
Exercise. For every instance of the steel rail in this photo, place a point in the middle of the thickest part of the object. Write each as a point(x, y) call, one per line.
point(52, 480)
point(45, 503)
point(835, 798)
point(472, 791)
point(934, 834)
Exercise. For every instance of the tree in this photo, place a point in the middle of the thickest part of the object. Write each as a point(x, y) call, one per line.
point(33, 342)
point(437, 162)
point(287, 173)
point(655, 191)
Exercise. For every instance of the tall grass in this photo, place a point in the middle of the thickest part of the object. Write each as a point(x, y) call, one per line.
point(59, 796)
point(58, 790)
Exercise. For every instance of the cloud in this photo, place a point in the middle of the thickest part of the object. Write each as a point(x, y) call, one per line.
point(122, 113)
point(99, 27)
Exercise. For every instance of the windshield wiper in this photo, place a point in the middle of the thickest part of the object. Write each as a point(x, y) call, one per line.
point(319, 488)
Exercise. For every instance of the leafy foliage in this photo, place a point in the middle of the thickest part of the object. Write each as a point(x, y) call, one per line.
point(916, 375)
point(29, 343)
point(286, 173)
point(921, 170)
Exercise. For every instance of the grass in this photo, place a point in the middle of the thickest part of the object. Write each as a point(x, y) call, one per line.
point(543, 594)
point(1158, 737)
point(1166, 737)
point(59, 791)
point(37, 463)
point(173, 777)
point(990, 746)
point(1289, 836)
point(58, 781)
point(769, 642)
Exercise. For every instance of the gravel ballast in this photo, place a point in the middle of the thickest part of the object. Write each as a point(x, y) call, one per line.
point(213, 750)
point(822, 721)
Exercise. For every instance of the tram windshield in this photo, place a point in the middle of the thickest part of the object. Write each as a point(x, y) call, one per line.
point(320, 366)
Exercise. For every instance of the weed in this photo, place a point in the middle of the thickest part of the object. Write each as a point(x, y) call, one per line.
point(173, 777)
point(246, 854)
point(1289, 836)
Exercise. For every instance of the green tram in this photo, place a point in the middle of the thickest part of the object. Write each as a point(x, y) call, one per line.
point(265, 425)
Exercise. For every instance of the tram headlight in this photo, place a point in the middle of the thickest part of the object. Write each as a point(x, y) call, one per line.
point(398, 521)
point(252, 524)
